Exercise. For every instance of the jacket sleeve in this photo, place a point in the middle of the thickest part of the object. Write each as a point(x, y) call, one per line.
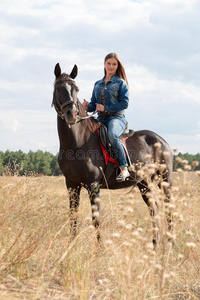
point(92, 106)
point(123, 99)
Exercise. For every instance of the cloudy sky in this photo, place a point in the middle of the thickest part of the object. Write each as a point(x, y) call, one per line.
point(156, 40)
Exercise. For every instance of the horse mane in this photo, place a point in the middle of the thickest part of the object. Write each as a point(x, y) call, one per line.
point(90, 123)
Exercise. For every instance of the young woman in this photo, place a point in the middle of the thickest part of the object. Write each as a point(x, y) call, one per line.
point(110, 98)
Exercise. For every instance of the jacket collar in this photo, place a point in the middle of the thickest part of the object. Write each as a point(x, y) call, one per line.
point(112, 79)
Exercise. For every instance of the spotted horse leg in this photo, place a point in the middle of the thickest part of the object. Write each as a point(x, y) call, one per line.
point(153, 208)
point(94, 194)
point(74, 199)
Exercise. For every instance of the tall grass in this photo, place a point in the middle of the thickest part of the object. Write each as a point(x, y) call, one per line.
point(38, 261)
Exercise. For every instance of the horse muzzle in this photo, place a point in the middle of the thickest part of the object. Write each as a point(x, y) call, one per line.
point(70, 116)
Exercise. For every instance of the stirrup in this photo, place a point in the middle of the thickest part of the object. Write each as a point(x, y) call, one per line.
point(122, 177)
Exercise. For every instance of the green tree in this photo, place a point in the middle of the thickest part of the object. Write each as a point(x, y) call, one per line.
point(24, 163)
point(1, 163)
point(44, 166)
point(55, 169)
point(189, 157)
point(37, 160)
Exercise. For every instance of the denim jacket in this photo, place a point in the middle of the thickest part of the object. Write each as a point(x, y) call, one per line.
point(115, 93)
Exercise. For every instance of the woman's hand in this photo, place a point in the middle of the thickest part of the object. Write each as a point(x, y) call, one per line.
point(99, 107)
point(85, 104)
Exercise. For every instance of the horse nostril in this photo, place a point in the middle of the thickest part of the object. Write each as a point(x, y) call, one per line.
point(69, 113)
point(70, 116)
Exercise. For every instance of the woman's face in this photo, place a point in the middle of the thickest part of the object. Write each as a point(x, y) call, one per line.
point(111, 66)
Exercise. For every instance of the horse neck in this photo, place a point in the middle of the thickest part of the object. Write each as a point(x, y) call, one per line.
point(74, 136)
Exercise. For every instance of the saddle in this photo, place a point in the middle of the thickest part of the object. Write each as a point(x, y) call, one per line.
point(106, 144)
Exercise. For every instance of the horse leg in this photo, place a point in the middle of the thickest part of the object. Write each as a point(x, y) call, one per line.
point(153, 208)
point(167, 192)
point(74, 199)
point(94, 194)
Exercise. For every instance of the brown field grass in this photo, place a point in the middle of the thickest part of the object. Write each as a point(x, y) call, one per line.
point(39, 262)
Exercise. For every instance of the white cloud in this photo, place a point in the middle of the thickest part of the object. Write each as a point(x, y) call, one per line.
point(198, 138)
point(28, 130)
point(157, 41)
point(8, 124)
point(146, 84)
point(184, 143)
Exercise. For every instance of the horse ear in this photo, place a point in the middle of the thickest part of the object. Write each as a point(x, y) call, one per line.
point(57, 70)
point(74, 72)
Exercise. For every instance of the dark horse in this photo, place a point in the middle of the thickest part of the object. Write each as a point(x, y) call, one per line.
point(80, 154)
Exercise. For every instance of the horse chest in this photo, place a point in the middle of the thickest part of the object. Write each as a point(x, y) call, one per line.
point(79, 169)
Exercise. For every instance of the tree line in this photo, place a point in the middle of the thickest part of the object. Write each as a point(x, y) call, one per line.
point(33, 163)
point(45, 163)
point(191, 160)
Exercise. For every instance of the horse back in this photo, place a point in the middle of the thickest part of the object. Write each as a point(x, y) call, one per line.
point(146, 143)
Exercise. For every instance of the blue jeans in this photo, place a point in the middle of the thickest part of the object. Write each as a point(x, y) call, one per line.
point(116, 125)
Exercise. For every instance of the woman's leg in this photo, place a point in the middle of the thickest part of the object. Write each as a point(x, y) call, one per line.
point(115, 128)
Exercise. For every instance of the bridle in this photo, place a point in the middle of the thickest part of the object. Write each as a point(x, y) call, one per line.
point(59, 107)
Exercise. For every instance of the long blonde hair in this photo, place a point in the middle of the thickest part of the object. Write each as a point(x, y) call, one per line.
point(120, 70)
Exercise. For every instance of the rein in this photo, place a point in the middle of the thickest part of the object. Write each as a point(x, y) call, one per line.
point(86, 117)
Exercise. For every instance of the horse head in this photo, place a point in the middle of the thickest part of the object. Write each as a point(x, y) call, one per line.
point(65, 93)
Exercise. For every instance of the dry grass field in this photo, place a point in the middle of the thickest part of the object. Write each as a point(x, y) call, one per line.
point(39, 262)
